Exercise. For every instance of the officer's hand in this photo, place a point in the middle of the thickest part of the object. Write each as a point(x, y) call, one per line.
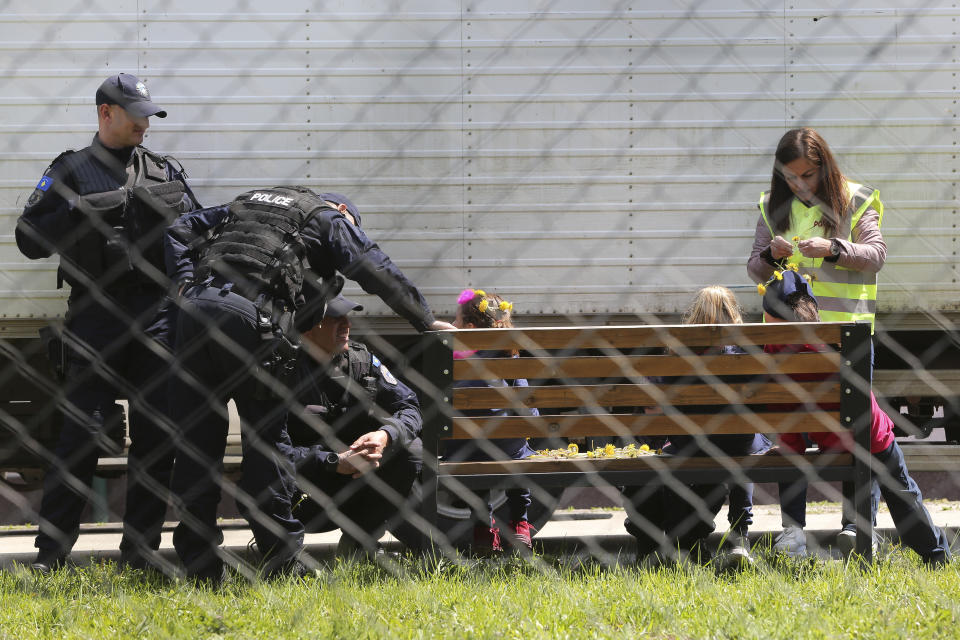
point(371, 443)
point(440, 325)
point(815, 247)
point(780, 248)
point(356, 464)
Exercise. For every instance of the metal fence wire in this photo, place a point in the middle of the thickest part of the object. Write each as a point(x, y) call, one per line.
point(564, 184)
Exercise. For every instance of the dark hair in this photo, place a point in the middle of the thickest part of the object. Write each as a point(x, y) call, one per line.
point(803, 306)
point(495, 314)
point(831, 189)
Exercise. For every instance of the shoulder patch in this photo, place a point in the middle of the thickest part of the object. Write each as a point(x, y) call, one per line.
point(375, 360)
point(44, 183)
point(387, 376)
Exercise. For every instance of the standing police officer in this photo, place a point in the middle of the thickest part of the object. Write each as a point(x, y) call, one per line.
point(241, 268)
point(103, 209)
point(355, 431)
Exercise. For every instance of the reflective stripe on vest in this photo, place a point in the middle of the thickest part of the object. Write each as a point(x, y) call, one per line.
point(843, 295)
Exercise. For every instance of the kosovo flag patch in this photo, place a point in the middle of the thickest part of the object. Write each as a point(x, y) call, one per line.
point(44, 183)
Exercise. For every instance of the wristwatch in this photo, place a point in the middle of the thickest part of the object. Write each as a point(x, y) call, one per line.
point(330, 461)
point(835, 248)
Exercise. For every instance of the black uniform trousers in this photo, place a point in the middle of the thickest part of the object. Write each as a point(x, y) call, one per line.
point(114, 351)
point(219, 348)
point(362, 507)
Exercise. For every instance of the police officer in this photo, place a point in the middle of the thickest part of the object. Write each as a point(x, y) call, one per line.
point(103, 209)
point(355, 431)
point(241, 268)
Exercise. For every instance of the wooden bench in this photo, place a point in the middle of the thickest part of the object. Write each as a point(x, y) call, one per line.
point(616, 378)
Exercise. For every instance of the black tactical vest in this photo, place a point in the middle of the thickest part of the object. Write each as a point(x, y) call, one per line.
point(129, 253)
point(259, 248)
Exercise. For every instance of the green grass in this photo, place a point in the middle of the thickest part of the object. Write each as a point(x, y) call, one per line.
point(550, 598)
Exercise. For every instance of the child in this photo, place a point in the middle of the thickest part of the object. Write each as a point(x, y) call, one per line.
point(477, 309)
point(792, 300)
point(663, 511)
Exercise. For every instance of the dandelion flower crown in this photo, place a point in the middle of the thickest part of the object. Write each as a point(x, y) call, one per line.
point(778, 275)
point(483, 304)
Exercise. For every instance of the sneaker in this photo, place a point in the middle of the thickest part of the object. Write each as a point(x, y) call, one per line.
point(486, 539)
point(48, 561)
point(847, 541)
point(736, 551)
point(792, 542)
point(522, 534)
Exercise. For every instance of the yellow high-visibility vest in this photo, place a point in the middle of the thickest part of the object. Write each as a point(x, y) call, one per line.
point(842, 294)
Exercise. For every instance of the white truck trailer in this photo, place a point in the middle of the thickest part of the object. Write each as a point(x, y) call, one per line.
point(591, 162)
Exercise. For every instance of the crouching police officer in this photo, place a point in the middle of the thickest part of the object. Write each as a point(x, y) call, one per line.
point(241, 267)
point(355, 431)
point(104, 209)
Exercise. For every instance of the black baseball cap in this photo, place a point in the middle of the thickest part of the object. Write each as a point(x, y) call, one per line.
point(340, 306)
point(130, 93)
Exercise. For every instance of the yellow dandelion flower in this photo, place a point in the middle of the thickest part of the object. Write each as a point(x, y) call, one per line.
point(644, 447)
point(609, 450)
point(482, 307)
point(573, 448)
point(480, 292)
point(590, 454)
point(761, 288)
point(505, 306)
point(807, 277)
point(796, 239)
point(793, 266)
point(778, 275)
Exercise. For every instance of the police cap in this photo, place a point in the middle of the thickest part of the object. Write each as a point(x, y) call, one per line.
point(340, 306)
point(130, 93)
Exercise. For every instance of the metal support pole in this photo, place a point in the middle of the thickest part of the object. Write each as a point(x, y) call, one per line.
point(435, 402)
point(855, 414)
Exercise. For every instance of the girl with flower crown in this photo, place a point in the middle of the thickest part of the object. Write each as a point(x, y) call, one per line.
point(477, 309)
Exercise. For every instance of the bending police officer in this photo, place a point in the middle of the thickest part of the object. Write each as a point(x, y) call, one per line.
point(103, 209)
point(241, 267)
point(355, 431)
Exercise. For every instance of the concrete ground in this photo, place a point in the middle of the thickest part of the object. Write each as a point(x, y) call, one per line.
point(589, 531)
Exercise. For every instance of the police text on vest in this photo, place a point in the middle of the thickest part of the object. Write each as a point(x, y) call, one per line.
point(271, 198)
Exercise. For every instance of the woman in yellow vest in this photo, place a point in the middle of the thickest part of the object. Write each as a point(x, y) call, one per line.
point(828, 226)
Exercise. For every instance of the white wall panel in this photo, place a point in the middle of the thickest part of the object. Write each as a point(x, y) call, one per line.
point(600, 158)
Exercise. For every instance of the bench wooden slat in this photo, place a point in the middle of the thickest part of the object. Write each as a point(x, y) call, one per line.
point(622, 424)
point(647, 395)
point(652, 462)
point(650, 365)
point(672, 336)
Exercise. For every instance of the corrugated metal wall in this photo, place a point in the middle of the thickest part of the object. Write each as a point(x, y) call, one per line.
point(577, 160)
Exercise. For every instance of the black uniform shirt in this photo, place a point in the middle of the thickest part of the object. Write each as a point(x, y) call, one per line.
point(337, 403)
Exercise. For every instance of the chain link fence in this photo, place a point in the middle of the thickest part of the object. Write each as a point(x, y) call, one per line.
point(568, 167)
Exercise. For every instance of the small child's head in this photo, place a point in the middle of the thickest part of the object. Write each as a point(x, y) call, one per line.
point(714, 305)
point(477, 309)
point(790, 299)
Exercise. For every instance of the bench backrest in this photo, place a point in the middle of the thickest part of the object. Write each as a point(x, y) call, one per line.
point(594, 369)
